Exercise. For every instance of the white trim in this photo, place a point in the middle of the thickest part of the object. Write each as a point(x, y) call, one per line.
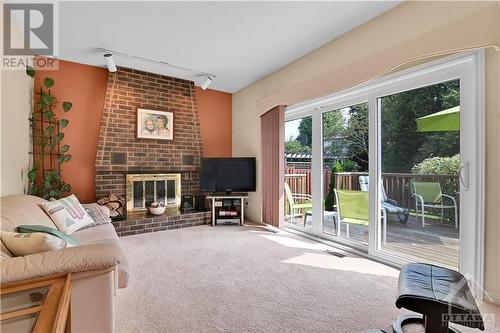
point(468, 67)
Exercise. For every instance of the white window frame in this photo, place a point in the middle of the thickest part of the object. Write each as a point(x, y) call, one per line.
point(469, 68)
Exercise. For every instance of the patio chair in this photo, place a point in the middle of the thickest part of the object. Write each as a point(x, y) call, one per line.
point(390, 206)
point(429, 194)
point(304, 205)
point(353, 208)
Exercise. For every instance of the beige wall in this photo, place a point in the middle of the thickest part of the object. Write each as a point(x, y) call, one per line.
point(16, 94)
point(406, 32)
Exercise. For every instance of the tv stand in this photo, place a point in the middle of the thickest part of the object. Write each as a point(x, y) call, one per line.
point(228, 207)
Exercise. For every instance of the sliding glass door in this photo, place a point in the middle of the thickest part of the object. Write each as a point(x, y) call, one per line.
point(419, 190)
point(394, 167)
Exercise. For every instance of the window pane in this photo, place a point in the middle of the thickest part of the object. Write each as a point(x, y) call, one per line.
point(345, 163)
point(419, 176)
point(298, 154)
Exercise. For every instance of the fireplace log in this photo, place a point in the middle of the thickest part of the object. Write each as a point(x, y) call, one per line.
point(115, 204)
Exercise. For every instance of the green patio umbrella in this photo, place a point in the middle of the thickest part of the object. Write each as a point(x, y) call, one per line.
point(443, 121)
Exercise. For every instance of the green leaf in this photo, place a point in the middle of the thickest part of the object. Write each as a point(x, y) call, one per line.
point(30, 71)
point(67, 158)
point(47, 99)
point(66, 188)
point(32, 175)
point(52, 146)
point(63, 123)
point(50, 129)
point(67, 106)
point(65, 148)
point(49, 115)
point(60, 159)
point(59, 136)
point(48, 82)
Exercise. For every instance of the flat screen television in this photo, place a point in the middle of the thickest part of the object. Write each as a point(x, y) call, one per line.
point(235, 174)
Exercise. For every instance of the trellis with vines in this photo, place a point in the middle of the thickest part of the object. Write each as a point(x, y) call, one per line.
point(49, 153)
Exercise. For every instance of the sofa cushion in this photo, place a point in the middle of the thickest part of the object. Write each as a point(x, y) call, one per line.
point(23, 209)
point(68, 214)
point(105, 233)
point(23, 244)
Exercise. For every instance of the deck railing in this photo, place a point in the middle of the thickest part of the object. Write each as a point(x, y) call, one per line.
point(397, 185)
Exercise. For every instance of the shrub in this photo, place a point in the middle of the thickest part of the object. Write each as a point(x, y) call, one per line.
point(438, 166)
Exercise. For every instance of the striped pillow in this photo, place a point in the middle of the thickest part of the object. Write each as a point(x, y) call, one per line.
point(67, 214)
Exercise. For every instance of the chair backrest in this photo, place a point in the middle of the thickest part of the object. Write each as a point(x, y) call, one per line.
point(429, 191)
point(352, 204)
point(289, 195)
point(364, 184)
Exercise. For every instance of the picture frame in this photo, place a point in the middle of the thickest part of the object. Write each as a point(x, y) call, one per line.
point(153, 124)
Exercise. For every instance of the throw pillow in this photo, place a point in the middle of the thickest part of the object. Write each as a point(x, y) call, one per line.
point(96, 212)
point(24, 244)
point(54, 232)
point(68, 214)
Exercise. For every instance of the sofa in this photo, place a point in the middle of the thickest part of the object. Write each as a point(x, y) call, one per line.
point(98, 265)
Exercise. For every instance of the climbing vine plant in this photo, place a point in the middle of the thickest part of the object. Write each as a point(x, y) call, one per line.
point(49, 154)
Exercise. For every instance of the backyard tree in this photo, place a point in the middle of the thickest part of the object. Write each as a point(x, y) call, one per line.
point(402, 145)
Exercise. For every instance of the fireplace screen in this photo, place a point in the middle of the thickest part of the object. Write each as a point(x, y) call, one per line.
point(143, 189)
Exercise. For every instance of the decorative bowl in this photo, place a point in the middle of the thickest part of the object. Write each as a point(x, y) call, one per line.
point(157, 210)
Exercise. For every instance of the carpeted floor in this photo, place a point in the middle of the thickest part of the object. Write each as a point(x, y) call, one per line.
point(235, 279)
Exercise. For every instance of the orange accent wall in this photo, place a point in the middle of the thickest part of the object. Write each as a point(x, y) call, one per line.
point(85, 87)
point(215, 115)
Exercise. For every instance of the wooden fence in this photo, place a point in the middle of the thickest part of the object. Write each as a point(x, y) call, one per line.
point(397, 185)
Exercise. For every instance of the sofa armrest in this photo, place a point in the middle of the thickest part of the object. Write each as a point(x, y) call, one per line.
point(90, 257)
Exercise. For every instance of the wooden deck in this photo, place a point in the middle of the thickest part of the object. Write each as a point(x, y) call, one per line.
point(436, 243)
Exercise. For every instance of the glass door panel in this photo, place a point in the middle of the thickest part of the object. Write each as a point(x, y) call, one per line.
point(345, 162)
point(419, 185)
point(298, 183)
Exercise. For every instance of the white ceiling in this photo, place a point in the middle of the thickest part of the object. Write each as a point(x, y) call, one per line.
point(239, 42)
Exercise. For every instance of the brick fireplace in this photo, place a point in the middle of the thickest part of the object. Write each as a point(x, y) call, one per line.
point(120, 152)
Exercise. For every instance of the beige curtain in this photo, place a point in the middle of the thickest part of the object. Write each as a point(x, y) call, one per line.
point(273, 169)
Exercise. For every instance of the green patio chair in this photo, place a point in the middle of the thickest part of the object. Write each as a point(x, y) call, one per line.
point(390, 206)
point(353, 208)
point(429, 194)
point(304, 203)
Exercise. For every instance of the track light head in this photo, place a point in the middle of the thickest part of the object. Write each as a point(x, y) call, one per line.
point(208, 81)
point(110, 62)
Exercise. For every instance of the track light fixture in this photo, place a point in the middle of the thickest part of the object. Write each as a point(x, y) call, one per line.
point(206, 83)
point(110, 63)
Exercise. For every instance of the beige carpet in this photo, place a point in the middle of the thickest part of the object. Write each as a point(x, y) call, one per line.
point(235, 279)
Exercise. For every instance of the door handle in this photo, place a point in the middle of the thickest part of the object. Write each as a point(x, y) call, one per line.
point(463, 175)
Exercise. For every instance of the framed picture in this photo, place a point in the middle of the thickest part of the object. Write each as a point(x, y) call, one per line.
point(153, 124)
